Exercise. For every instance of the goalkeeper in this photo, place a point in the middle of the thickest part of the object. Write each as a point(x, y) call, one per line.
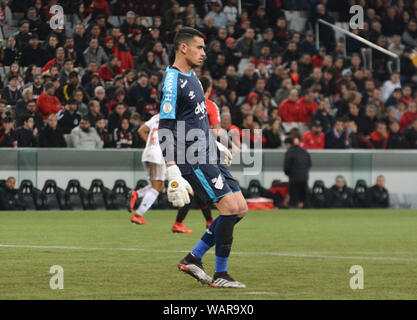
point(193, 160)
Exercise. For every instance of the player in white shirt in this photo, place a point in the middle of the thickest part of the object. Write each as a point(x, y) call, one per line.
point(154, 163)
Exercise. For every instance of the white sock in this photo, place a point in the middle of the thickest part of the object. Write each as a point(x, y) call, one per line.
point(148, 199)
point(141, 192)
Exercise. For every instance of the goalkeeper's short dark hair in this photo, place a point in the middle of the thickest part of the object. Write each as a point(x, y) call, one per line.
point(185, 35)
point(205, 83)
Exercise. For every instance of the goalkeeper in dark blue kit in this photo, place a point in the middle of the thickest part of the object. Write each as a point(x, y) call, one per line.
point(196, 162)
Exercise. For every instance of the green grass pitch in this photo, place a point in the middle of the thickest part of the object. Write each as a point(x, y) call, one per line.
point(277, 254)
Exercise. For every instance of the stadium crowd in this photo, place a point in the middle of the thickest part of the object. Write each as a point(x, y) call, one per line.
point(94, 85)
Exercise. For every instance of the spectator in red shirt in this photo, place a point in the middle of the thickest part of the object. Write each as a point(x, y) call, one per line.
point(122, 52)
point(58, 60)
point(408, 116)
point(47, 102)
point(379, 137)
point(314, 138)
point(110, 69)
point(289, 109)
point(308, 106)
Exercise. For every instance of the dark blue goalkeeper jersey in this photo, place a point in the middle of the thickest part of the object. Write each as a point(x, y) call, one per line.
point(183, 112)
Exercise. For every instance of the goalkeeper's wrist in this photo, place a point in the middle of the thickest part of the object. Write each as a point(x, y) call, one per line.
point(173, 172)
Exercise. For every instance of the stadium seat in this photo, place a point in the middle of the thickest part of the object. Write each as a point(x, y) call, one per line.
point(359, 194)
point(98, 196)
point(319, 195)
point(75, 196)
point(398, 201)
point(410, 200)
point(254, 189)
point(119, 195)
point(140, 184)
point(29, 195)
point(52, 197)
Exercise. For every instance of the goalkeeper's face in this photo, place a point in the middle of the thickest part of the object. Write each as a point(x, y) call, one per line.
point(195, 53)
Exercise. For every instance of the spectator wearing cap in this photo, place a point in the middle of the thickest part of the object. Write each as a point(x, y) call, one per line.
point(314, 138)
point(110, 69)
point(26, 135)
point(33, 53)
point(136, 42)
point(7, 134)
point(108, 45)
point(73, 84)
point(307, 45)
point(233, 55)
point(95, 52)
point(11, 93)
point(408, 116)
point(69, 117)
point(47, 102)
point(85, 137)
point(51, 135)
point(268, 40)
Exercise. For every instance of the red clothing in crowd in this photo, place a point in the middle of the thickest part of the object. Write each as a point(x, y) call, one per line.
point(103, 6)
point(406, 119)
point(48, 65)
point(125, 58)
point(289, 111)
point(378, 141)
point(313, 142)
point(48, 105)
point(316, 61)
point(106, 74)
point(307, 109)
point(212, 113)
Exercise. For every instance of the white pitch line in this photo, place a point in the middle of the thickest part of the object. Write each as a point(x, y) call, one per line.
point(278, 254)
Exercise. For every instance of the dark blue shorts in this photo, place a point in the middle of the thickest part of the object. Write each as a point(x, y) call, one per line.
point(211, 182)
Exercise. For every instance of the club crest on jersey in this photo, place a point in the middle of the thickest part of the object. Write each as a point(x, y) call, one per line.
point(218, 182)
point(191, 95)
point(167, 107)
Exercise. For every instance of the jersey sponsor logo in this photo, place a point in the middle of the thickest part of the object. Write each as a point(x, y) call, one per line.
point(167, 107)
point(191, 95)
point(201, 108)
point(218, 182)
point(169, 83)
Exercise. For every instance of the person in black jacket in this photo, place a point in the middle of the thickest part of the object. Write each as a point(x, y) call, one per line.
point(26, 135)
point(396, 139)
point(377, 196)
point(336, 138)
point(8, 196)
point(341, 196)
point(7, 134)
point(51, 136)
point(69, 117)
point(297, 164)
point(410, 135)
